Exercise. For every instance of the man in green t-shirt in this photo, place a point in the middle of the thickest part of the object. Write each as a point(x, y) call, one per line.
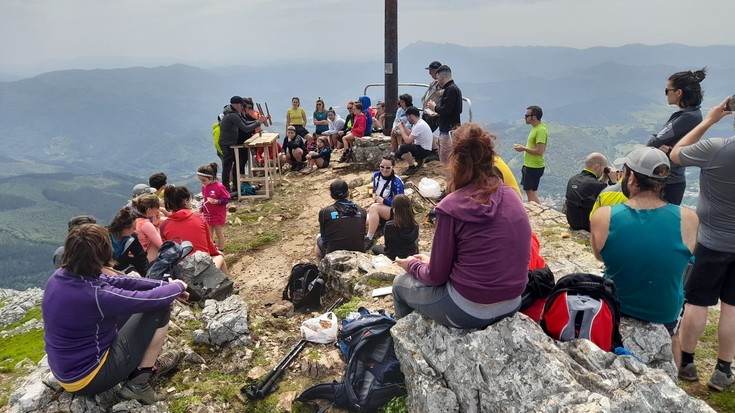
point(533, 153)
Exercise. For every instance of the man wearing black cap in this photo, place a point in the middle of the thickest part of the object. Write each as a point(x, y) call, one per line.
point(449, 109)
point(342, 224)
point(432, 93)
point(232, 124)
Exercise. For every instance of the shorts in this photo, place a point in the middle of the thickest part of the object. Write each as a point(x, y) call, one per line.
point(531, 177)
point(672, 327)
point(301, 130)
point(712, 278)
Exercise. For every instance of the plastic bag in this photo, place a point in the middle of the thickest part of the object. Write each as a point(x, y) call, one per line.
point(429, 188)
point(322, 329)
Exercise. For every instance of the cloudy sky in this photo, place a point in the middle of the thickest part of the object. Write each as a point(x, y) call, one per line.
point(38, 35)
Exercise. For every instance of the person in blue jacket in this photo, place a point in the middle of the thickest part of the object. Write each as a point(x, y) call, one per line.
point(366, 110)
point(386, 185)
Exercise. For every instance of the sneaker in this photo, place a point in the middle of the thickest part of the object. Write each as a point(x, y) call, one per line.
point(369, 242)
point(139, 388)
point(411, 170)
point(688, 372)
point(345, 156)
point(719, 380)
point(166, 362)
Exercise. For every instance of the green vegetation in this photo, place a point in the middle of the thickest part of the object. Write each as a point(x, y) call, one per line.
point(345, 309)
point(16, 348)
point(396, 405)
point(180, 405)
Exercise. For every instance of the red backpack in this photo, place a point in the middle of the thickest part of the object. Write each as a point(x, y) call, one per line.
point(583, 306)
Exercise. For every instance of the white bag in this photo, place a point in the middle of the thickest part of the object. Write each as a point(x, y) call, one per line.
point(429, 188)
point(322, 329)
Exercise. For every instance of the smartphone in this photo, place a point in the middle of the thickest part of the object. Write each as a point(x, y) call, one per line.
point(731, 103)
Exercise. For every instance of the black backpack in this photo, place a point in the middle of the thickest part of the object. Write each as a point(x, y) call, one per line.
point(165, 265)
point(584, 306)
point(305, 286)
point(373, 374)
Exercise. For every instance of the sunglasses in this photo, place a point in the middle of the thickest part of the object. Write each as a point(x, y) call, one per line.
point(385, 167)
point(667, 90)
point(528, 116)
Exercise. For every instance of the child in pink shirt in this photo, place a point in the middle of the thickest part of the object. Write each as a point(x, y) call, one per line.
point(216, 198)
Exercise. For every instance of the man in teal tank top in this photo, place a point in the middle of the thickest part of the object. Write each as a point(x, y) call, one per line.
point(646, 243)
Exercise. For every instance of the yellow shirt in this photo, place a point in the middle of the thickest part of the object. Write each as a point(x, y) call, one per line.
point(609, 196)
point(508, 177)
point(296, 116)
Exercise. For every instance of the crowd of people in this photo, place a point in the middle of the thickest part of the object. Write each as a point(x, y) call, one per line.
point(105, 327)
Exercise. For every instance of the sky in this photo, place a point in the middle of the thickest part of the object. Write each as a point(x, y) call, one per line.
point(42, 35)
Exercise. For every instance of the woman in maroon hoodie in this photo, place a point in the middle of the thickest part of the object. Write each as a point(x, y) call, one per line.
point(478, 267)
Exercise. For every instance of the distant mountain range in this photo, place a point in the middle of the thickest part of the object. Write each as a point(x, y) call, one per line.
point(65, 126)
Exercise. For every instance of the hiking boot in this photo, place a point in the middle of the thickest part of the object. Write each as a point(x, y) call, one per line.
point(139, 388)
point(411, 170)
point(420, 163)
point(165, 363)
point(345, 156)
point(369, 242)
point(719, 380)
point(688, 372)
point(433, 157)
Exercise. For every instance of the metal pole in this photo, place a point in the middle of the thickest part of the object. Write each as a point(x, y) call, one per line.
point(391, 63)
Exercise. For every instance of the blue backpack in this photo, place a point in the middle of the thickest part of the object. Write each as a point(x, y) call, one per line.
point(373, 374)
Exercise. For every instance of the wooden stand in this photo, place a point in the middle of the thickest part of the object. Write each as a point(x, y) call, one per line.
point(271, 168)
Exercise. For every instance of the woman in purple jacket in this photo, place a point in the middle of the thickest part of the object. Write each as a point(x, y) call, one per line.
point(103, 329)
point(478, 267)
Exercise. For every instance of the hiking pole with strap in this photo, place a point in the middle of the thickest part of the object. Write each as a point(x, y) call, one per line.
point(268, 385)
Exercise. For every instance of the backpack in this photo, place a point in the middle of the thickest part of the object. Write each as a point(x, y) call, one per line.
point(165, 264)
point(539, 287)
point(584, 306)
point(373, 374)
point(305, 286)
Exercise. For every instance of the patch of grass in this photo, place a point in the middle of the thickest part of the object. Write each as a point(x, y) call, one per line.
point(17, 348)
point(345, 309)
point(33, 313)
point(395, 405)
point(722, 401)
point(582, 241)
point(267, 405)
point(378, 282)
point(313, 354)
point(262, 240)
point(181, 405)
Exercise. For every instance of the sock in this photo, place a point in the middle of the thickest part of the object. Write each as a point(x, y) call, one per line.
point(687, 358)
point(140, 370)
point(370, 235)
point(724, 366)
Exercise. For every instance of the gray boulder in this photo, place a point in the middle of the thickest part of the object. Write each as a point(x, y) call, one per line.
point(649, 342)
point(355, 273)
point(512, 366)
point(227, 323)
point(369, 151)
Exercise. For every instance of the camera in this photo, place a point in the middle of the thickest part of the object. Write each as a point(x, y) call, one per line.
point(731, 103)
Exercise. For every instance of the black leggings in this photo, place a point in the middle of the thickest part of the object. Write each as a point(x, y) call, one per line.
point(674, 193)
point(127, 350)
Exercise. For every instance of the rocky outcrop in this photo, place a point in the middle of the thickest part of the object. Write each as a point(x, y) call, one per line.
point(369, 151)
point(651, 343)
point(512, 366)
point(227, 323)
point(353, 273)
point(14, 304)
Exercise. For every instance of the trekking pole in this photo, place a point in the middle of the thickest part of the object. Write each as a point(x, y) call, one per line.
point(268, 385)
point(260, 110)
point(268, 112)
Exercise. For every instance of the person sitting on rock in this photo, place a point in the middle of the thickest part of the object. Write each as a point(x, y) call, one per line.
point(293, 149)
point(146, 209)
point(358, 131)
point(646, 243)
point(396, 137)
point(379, 117)
point(185, 225)
point(127, 252)
point(342, 224)
point(320, 158)
point(336, 123)
point(583, 189)
point(346, 126)
point(478, 267)
point(386, 185)
point(102, 330)
point(73, 223)
point(401, 233)
point(418, 141)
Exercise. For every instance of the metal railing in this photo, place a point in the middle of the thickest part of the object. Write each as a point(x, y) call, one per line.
point(424, 85)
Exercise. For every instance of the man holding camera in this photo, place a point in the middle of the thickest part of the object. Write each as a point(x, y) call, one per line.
point(713, 275)
point(583, 189)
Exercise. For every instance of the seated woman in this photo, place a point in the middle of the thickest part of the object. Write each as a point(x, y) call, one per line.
point(404, 102)
point(101, 330)
point(336, 123)
point(379, 117)
point(146, 208)
point(319, 118)
point(386, 185)
point(358, 131)
point(402, 232)
point(319, 158)
point(185, 225)
point(478, 267)
point(127, 251)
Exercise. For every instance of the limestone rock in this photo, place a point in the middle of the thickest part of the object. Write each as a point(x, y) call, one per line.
point(368, 151)
point(512, 366)
point(282, 308)
point(326, 364)
point(226, 323)
point(356, 273)
point(649, 342)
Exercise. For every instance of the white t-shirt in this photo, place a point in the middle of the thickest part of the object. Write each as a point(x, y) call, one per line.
point(423, 136)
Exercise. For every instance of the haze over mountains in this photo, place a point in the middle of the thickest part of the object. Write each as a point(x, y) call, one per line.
point(105, 129)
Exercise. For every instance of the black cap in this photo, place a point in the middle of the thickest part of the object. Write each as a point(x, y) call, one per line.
point(236, 99)
point(339, 189)
point(434, 65)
